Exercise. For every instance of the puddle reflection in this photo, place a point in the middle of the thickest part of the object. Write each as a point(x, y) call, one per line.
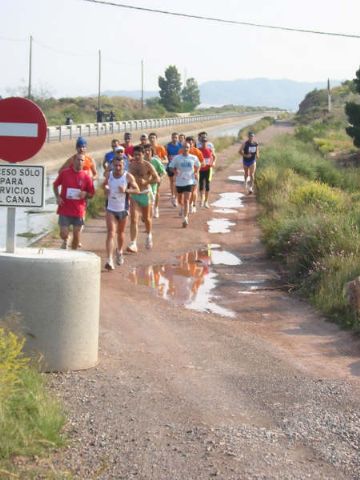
point(190, 281)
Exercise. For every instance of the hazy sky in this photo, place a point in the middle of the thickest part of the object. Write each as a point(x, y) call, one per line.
point(68, 34)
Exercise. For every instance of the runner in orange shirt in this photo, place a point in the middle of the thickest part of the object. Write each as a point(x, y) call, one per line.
point(160, 152)
point(89, 165)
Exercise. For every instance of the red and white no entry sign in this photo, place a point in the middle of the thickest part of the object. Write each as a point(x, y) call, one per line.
point(22, 129)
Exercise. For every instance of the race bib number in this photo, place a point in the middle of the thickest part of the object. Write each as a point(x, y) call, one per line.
point(252, 149)
point(73, 193)
point(207, 161)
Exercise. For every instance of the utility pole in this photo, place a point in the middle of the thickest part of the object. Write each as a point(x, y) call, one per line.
point(329, 95)
point(30, 68)
point(142, 84)
point(99, 89)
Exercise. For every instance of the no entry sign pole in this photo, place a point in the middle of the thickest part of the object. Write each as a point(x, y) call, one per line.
point(10, 230)
point(22, 134)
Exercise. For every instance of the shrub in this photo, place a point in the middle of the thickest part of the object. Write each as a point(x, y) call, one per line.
point(30, 420)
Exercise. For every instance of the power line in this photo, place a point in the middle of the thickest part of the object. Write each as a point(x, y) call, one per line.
point(223, 20)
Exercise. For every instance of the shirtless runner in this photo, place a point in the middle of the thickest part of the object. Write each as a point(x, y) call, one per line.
point(145, 175)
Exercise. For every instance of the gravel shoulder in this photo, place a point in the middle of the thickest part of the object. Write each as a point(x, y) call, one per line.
point(272, 393)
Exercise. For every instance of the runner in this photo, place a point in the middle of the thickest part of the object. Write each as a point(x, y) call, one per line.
point(203, 137)
point(160, 152)
point(250, 153)
point(150, 156)
point(173, 149)
point(186, 167)
point(76, 187)
point(108, 158)
point(193, 151)
point(117, 186)
point(144, 139)
point(129, 147)
point(182, 139)
point(145, 175)
point(89, 165)
point(206, 172)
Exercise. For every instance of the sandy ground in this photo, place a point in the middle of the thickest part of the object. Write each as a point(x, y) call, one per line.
point(265, 389)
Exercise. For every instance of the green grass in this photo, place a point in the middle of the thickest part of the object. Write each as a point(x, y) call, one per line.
point(31, 420)
point(96, 204)
point(311, 222)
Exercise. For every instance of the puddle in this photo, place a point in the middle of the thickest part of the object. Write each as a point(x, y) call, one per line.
point(237, 178)
point(220, 257)
point(229, 200)
point(190, 281)
point(220, 225)
point(214, 245)
point(224, 210)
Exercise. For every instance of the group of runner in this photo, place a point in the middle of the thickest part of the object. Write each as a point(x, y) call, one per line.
point(132, 178)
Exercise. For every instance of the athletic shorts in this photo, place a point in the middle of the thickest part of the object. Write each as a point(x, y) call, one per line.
point(185, 188)
point(118, 215)
point(142, 199)
point(248, 163)
point(65, 221)
point(170, 173)
point(205, 179)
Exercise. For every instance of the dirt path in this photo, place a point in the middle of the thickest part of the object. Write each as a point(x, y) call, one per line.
point(268, 390)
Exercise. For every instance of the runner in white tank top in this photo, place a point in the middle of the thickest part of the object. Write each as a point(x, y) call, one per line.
point(117, 185)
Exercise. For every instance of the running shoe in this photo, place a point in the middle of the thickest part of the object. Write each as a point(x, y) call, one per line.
point(180, 212)
point(174, 202)
point(206, 205)
point(148, 241)
point(185, 222)
point(156, 212)
point(64, 245)
point(109, 265)
point(132, 247)
point(119, 258)
point(251, 190)
point(193, 208)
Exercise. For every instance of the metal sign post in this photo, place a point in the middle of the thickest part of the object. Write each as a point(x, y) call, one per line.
point(10, 230)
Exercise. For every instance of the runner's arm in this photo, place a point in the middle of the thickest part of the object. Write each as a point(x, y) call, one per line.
point(93, 169)
point(153, 177)
point(134, 188)
point(105, 185)
point(257, 153)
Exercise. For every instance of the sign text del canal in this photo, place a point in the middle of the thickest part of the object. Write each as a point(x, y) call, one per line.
point(22, 186)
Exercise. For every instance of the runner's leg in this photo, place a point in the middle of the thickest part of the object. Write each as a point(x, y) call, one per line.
point(110, 226)
point(134, 218)
point(76, 236)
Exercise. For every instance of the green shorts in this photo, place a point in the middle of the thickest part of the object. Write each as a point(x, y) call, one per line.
point(142, 199)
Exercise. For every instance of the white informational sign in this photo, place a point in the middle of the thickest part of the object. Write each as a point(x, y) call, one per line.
point(22, 186)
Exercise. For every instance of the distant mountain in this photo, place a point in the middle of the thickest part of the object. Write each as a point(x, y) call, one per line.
point(285, 94)
point(254, 92)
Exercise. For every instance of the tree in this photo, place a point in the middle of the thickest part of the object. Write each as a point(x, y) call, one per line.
point(352, 110)
point(191, 94)
point(170, 89)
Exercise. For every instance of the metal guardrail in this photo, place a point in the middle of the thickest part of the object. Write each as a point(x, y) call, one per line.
point(67, 132)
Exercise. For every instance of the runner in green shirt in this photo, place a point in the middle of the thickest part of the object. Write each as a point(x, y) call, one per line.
point(160, 170)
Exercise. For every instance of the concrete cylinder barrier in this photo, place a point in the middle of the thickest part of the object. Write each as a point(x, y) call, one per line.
point(55, 295)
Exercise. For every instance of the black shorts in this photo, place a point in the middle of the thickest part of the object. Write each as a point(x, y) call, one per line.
point(169, 171)
point(119, 215)
point(204, 180)
point(65, 221)
point(186, 188)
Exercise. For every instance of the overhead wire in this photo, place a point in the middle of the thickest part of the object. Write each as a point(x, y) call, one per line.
point(222, 20)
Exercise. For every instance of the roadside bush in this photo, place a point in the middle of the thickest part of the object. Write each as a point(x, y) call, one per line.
point(318, 197)
point(30, 420)
point(308, 224)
